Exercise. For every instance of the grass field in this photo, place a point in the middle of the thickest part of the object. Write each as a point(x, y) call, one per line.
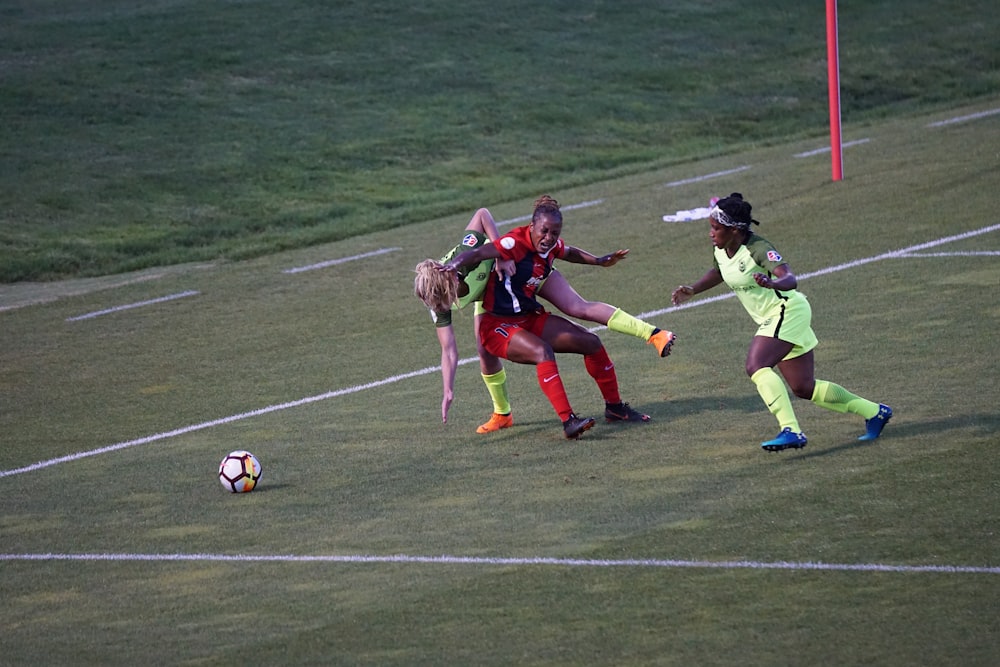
point(379, 536)
point(145, 134)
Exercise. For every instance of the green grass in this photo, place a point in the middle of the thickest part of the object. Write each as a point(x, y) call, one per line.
point(166, 132)
point(374, 472)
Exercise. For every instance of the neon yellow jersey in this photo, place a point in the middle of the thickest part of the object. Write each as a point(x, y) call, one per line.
point(756, 256)
point(475, 277)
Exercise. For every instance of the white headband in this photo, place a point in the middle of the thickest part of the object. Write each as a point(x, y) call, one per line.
point(723, 219)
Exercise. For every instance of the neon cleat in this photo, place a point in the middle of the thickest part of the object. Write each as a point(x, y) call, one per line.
point(874, 426)
point(787, 439)
point(574, 426)
point(662, 340)
point(623, 412)
point(497, 421)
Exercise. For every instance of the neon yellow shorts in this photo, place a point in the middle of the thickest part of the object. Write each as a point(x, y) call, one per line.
point(792, 324)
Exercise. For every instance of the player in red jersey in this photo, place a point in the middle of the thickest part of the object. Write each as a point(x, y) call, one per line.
point(516, 326)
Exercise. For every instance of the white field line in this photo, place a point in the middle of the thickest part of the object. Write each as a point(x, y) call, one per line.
point(434, 369)
point(820, 151)
point(706, 177)
point(525, 218)
point(333, 262)
point(970, 253)
point(962, 119)
point(129, 306)
point(479, 560)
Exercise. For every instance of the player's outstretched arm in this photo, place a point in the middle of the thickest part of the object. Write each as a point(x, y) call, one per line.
point(706, 282)
point(449, 362)
point(579, 256)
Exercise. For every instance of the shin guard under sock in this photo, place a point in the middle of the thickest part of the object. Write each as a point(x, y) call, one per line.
point(603, 371)
point(552, 387)
point(772, 389)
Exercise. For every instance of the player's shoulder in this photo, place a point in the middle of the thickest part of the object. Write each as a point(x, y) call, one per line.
point(519, 236)
point(763, 251)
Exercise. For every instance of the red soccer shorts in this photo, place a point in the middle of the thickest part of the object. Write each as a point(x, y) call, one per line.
point(496, 331)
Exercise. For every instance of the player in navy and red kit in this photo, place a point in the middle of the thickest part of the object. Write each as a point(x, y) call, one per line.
point(516, 326)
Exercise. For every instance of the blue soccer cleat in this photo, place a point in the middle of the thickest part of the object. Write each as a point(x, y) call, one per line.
point(787, 439)
point(874, 426)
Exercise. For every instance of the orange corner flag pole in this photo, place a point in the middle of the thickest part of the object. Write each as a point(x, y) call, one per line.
point(833, 77)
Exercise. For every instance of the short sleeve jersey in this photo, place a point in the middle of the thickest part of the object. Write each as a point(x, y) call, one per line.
point(515, 295)
point(758, 255)
point(475, 277)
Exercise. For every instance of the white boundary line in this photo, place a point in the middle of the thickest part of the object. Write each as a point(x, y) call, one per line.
point(706, 177)
point(434, 369)
point(333, 262)
point(487, 560)
point(820, 151)
point(129, 306)
point(962, 119)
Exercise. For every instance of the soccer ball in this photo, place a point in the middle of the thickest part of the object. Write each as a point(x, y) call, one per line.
point(239, 471)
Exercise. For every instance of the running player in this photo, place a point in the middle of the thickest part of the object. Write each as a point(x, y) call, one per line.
point(517, 327)
point(767, 288)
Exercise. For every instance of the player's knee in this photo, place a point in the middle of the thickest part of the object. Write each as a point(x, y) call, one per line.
point(803, 389)
point(590, 343)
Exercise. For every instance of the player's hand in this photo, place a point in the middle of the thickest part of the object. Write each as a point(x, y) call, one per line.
point(763, 280)
point(505, 268)
point(445, 405)
point(612, 259)
point(681, 294)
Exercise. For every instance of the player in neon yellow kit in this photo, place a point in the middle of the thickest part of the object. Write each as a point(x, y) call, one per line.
point(767, 288)
point(441, 294)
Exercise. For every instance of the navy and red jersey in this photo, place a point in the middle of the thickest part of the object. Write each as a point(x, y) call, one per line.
point(516, 294)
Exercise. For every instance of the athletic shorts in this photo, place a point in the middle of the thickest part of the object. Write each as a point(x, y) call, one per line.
point(496, 331)
point(792, 324)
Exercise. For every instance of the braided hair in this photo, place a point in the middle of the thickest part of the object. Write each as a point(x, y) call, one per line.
point(546, 204)
point(733, 211)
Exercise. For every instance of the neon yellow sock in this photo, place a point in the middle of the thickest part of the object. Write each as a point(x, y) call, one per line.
point(496, 384)
point(834, 397)
point(622, 322)
point(772, 389)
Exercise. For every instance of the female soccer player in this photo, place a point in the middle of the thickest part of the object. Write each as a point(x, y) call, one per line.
point(441, 291)
point(767, 288)
point(515, 326)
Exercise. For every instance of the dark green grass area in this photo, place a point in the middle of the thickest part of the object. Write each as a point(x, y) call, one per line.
point(372, 471)
point(165, 132)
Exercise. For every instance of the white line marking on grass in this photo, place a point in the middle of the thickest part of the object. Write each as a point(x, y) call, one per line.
point(525, 218)
point(333, 262)
point(962, 119)
point(706, 177)
point(480, 560)
point(434, 369)
point(820, 151)
point(971, 253)
point(129, 306)
point(218, 422)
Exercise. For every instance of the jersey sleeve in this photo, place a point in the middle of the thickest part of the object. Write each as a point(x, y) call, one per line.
point(441, 319)
point(764, 253)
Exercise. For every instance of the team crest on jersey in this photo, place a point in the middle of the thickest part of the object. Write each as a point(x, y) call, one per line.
point(743, 266)
point(470, 240)
point(773, 256)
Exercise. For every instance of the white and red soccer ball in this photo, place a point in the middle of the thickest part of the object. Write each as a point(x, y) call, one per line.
point(239, 471)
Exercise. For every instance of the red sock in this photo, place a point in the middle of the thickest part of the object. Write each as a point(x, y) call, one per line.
point(552, 387)
point(603, 371)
